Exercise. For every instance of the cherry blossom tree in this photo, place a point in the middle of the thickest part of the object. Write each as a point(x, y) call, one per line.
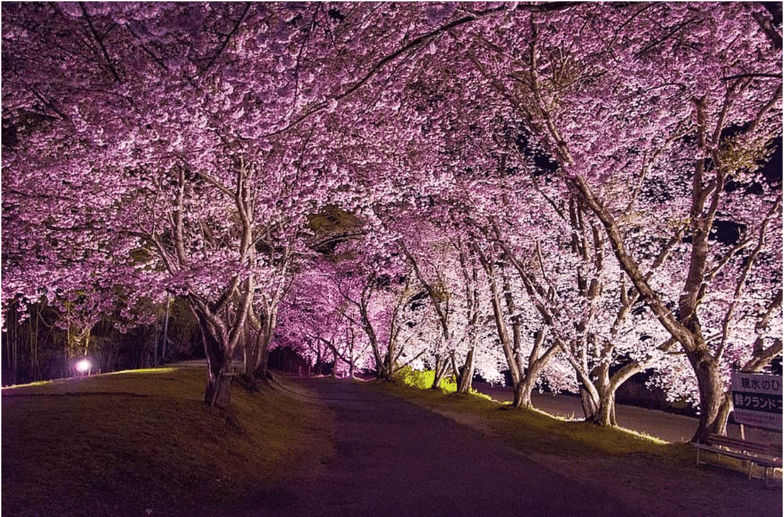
point(318, 323)
point(182, 148)
point(681, 114)
point(596, 324)
point(439, 263)
point(156, 152)
point(385, 299)
point(213, 130)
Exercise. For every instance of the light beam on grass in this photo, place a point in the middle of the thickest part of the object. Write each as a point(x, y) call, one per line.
point(145, 370)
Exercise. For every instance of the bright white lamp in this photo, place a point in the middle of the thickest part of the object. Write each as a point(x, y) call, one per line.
point(83, 365)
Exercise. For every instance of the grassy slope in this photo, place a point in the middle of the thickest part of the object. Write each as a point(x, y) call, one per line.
point(658, 478)
point(126, 443)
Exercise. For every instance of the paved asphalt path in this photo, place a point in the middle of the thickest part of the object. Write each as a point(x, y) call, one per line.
point(396, 459)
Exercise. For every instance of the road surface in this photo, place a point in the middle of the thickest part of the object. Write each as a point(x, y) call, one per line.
point(396, 459)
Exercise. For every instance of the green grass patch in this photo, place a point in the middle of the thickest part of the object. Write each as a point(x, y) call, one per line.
point(535, 431)
point(423, 379)
point(126, 443)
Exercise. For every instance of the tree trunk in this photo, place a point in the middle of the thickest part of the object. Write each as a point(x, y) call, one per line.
point(440, 371)
point(264, 335)
point(524, 397)
point(724, 414)
point(535, 365)
point(466, 374)
point(217, 391)
point(212, 393)
point(250, 352)
point(603, 403)
point(711, 389)
point(155, 344)
point(165, 329)
point(389, 365)
point(526, 386)
point(590, 404)
point(262, 370)
point(506, 343)
point(12, 339)
point(220, 390)
point(367, 326)
point(380, 371)
point(605, 415)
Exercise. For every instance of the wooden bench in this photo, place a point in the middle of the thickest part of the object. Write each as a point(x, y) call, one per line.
point(766, 455)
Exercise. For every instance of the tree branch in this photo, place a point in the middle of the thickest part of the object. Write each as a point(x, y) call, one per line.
point(226, 40)
point(99, 40)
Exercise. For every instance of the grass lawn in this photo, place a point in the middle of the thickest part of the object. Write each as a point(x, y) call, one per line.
point(641, 471)
point(143, 443)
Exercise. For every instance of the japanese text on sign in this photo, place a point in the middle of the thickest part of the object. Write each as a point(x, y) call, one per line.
point(757, 399)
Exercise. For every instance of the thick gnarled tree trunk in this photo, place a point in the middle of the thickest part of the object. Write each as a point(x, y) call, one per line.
point(466, 373)
point(217, 390)
point(441, 367)
point(537, 361)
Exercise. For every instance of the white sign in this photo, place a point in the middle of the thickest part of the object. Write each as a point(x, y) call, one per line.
point(757, 399)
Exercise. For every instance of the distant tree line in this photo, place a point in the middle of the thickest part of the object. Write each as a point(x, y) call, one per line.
point(40, 347)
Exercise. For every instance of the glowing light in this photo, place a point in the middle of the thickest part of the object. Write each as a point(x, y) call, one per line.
point(83, 365)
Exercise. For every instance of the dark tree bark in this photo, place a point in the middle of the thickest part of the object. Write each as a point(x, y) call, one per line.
point(441, 367)
point(536, 364)
point(466, 376)
point(216, 390)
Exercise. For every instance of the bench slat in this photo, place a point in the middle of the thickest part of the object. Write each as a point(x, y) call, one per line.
point(742, 445)
point(743, 450)
point(763, 462)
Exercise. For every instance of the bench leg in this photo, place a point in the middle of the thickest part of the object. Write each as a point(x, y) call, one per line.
point(769, 477)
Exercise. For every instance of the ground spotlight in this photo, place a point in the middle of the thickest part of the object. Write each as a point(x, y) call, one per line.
point(83, 366)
